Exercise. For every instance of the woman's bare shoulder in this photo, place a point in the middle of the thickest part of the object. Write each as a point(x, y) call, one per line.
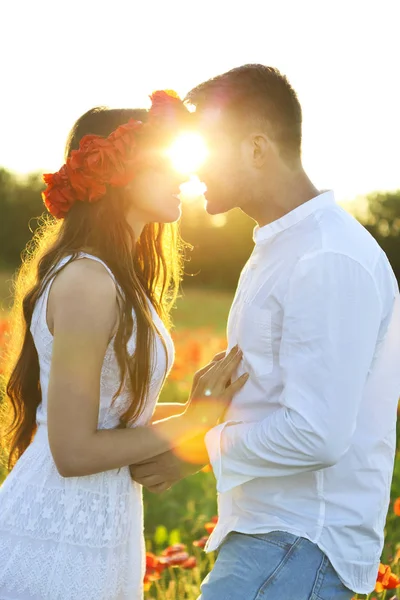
point(83, 290)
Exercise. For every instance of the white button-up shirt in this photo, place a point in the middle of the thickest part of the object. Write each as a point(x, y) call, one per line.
point(309, 442)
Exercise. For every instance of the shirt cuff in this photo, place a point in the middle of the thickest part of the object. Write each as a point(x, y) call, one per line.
point(227, 474)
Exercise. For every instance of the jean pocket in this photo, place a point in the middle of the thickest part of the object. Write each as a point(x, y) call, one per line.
point(328, 585)
point(283, 539)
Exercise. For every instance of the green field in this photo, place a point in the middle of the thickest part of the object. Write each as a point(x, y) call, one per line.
point(202, 308)
point(194, 308)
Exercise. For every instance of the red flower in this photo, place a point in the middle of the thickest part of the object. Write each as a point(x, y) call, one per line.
point(96, 158)
point(148, 580)
point(174, 560)
point(201, 542)
point(154, 567)
point(209, 527)
point(85, 186)
point(396, 507)
point(59, 195)
point(124, 134)
point(173, 556)
point(155, 563)
point(190, 563)
point(386, 580)
point(174, 549)
point(161, 99)
point(167, 111)
point(151, 560)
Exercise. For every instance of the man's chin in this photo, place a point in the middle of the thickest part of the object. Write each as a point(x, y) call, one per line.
point(215, 208)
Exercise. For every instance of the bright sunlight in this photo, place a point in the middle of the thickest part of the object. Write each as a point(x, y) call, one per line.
point(192, 189)
point(188, 152)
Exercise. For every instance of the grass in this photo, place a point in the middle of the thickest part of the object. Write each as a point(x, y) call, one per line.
point(202, 308)
point(195, 308)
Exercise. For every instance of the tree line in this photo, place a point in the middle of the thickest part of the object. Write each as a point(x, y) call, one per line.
point(220, 247)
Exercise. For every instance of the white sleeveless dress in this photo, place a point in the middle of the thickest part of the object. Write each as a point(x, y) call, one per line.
point(77, 538)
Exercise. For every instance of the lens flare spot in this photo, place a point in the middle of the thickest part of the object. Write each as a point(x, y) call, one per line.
point(192, 190)
point(219, 220)
point(188, 152)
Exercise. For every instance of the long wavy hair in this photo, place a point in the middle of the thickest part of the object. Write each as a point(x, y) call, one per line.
point(152, 270)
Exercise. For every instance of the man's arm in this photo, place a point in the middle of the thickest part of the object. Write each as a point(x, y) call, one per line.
point(332, 315)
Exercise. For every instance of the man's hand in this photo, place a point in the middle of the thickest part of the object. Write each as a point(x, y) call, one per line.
point(163, 471)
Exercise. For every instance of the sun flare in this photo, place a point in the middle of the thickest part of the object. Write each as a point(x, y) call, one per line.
point(187, 153)
point(192, 190)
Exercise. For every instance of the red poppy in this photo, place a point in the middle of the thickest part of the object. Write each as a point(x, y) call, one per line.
point(148, 580)
point(85, 186)
point(190, 563)
point(209, 527)
point(386, 580)
point(155, 563)
point(164, 104)
point(151, 560)
point(201, 542)
point(174, 549)
point(396, 507)
point(59, 196)
point(177, 559)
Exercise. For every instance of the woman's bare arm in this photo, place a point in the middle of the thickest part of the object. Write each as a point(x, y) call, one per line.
point(83, 313)
point(165, 410)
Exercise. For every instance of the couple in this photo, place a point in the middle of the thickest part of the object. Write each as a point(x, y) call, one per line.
point(297, 418)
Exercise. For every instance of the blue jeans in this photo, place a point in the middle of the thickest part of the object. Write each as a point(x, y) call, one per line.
point(272, 566)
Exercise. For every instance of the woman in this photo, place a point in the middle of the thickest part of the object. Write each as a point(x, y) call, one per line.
point(92, 303)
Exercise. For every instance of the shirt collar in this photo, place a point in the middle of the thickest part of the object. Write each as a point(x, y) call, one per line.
point(261, 234)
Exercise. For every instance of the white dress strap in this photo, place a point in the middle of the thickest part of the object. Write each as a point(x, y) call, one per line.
point(97, 259)
point(107, 268)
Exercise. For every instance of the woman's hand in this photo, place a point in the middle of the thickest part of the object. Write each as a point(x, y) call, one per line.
point(204, 370)
point(213, 391)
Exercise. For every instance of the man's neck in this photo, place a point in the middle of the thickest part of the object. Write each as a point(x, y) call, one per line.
point(273, 203)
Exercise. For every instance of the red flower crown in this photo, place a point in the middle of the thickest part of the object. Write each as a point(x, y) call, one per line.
point(100, 162)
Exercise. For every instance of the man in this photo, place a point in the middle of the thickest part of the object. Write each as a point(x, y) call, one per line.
point(304, 461)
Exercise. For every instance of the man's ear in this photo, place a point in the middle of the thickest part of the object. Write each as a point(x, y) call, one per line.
point(260, 147)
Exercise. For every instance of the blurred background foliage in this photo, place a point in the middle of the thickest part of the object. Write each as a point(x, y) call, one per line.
point(221, 244)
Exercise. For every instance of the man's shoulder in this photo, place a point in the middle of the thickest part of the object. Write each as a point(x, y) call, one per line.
point(341, 233)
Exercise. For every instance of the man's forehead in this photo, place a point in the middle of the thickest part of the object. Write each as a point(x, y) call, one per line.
point(207, 118)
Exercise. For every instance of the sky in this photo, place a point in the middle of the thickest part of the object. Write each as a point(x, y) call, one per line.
point(58, 59)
